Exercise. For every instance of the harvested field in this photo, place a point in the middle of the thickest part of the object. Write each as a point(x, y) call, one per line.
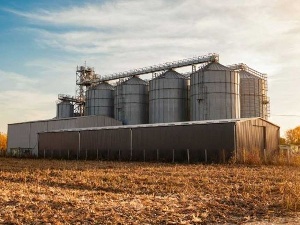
point(93, 192)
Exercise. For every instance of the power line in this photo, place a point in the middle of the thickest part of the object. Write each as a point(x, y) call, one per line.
point(287, 115)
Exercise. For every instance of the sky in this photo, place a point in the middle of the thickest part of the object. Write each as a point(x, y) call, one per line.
point(42, 43)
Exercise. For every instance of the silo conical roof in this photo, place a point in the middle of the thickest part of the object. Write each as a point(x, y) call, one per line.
point(170, 74)
point(216, 66)
point(135, 81)
point(104, 86)
point(245, 74)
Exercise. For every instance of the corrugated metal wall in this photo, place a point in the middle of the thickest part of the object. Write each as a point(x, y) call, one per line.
point(65, 146)
point(195, 138)
point(211, 142)
point(34, 129)
point(24, 135)
point(18, 135)
point(257, 134)
point(214, 142)
point(105, 144)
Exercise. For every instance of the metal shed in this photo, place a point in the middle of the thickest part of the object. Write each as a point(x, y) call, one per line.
point(197, 141)
point(24, 135)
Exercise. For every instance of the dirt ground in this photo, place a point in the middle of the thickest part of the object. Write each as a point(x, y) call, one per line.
point(95, 192)
point(295, 220)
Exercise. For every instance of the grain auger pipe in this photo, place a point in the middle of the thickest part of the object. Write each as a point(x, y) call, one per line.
point(213, 57)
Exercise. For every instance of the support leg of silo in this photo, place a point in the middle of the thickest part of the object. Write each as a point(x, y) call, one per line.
point(205, 155)
point(131, 145)
point(173, 156)
point(188, 155)
point(235, 156)
point(97, 154)
point(119, 155)
point(68, 153)
point(157, 154)
point(223, 155)
point(144, 155)
point(86, 154)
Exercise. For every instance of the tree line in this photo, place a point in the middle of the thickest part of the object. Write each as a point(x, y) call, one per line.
point(292, 136)
point(3, 142)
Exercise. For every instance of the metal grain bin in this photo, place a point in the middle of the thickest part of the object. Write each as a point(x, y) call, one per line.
point(251, 94)
point(64, 109)
point(131, 101)
point(215, 93)
point(168, 98)
point(100, 100)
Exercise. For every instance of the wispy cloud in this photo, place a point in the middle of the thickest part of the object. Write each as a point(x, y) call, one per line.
point(24, 97)
point(11, 80)
point(119, 35)
point(116, 26)
point(25, 105)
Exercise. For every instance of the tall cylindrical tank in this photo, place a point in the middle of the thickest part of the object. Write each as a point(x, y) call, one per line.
point(100, 100)
point(251, 94)
point(131, 102)
point(168, 98)
point(64, 109)
point(215, 93)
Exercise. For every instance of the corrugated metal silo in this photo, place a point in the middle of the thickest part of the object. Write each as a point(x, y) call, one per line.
point(251, 94)
point(168, 98)
point(215, 93)
point(100, 100)
point(65, 109)
point(254, 99)
point(265, 99)
point(131, 101)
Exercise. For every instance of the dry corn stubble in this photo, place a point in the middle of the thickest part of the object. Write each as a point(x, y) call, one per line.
point(70, 192)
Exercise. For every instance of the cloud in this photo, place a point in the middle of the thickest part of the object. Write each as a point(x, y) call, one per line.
point(24, 105)
point(139, 26)
point(11, 80)
point(26, 97)
point(119, 35)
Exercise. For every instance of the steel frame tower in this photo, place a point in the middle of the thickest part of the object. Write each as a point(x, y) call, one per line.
point(85, 77)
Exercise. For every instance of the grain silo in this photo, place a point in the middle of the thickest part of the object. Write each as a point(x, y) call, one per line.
point(64, 109)
point(215, 93)
point(168, 98)
point(131, 101)
point(100, 100)
point(253, 92)
point(251, 95)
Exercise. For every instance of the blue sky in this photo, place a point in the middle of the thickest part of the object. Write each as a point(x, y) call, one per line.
point(42, 42)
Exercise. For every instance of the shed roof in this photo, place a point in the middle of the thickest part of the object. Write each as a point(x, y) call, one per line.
point(203, 122)
point(60, 119)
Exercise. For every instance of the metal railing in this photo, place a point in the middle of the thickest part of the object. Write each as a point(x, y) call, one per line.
point(160, 67)
point(244, 67)
point(69, 98)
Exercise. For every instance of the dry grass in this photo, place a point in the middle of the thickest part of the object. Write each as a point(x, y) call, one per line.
point(256, 157)
point(70, 192)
